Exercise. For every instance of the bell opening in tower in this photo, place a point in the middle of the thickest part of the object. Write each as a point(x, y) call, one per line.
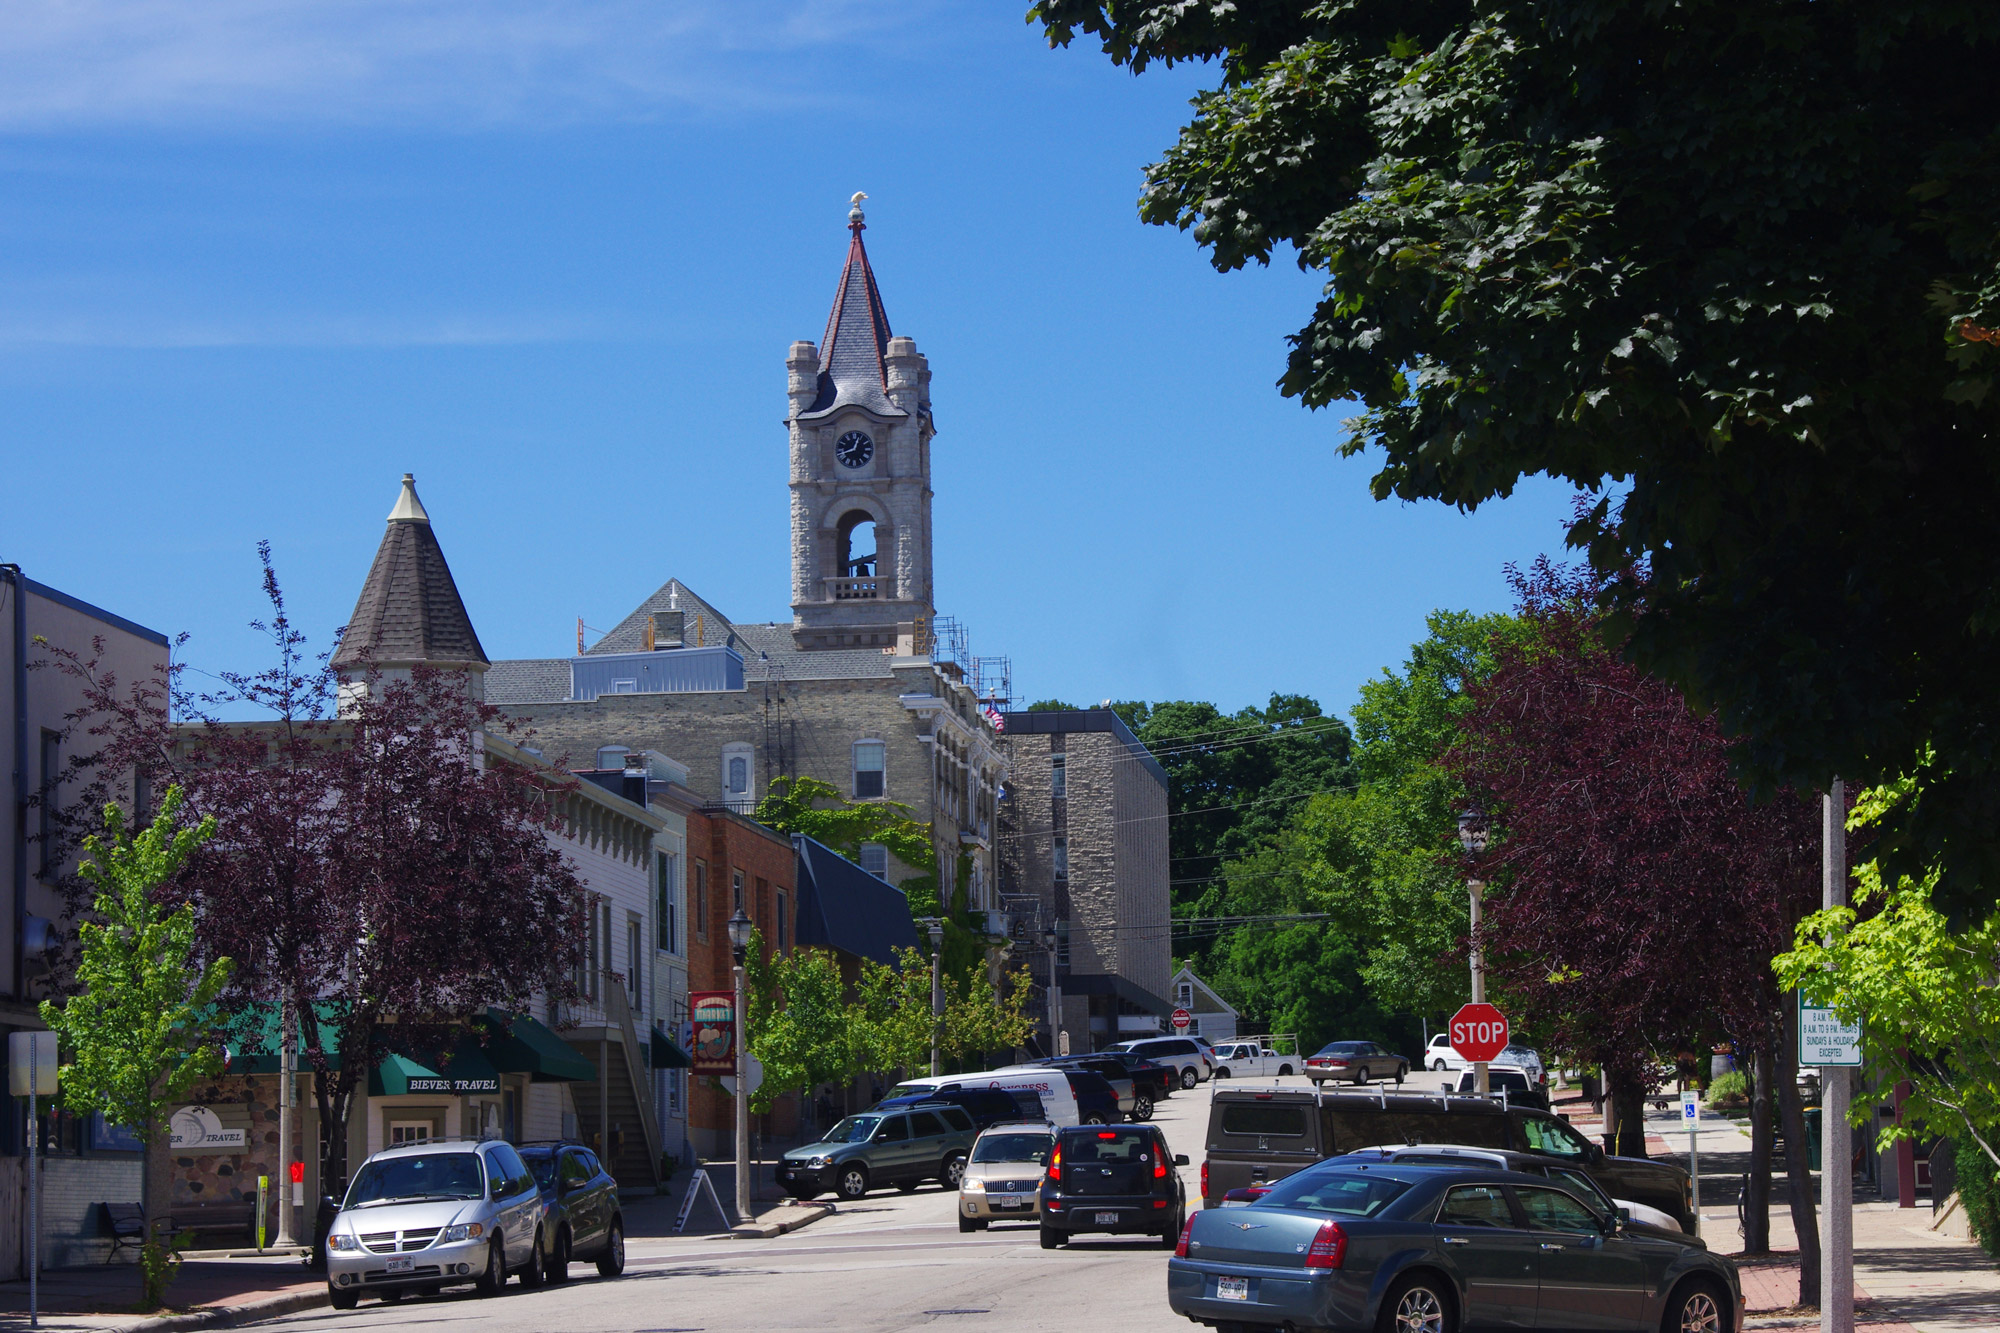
point(856, 556)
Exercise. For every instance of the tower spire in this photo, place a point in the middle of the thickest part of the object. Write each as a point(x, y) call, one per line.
point(853, 356)
point(409, 610)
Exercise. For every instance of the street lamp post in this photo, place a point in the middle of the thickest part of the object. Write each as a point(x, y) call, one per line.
point(935, 928)
point(739, 945)
point(1472, 837)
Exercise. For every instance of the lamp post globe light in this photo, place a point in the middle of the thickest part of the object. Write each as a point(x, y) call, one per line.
point(1472, 826)
point(934, 927)
point(739, 946)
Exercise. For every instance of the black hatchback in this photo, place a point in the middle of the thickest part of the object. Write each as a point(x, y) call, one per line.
point(582, 1196)
point(1120, 1181)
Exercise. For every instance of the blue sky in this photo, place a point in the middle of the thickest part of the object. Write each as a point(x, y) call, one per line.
point(257, 260)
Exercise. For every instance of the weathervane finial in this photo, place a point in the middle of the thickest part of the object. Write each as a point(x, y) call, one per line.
point(855, 216)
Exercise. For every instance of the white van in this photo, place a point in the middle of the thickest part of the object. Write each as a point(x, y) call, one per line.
point(1042, 1094)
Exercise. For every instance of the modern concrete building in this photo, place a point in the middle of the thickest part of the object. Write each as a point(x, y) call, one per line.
point(1084, 852)
point(87, 1161)
point(853, 689)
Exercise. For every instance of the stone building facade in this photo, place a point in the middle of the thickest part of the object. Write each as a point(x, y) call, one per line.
point(1083, 847)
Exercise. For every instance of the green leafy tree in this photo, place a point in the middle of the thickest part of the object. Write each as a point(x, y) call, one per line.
point(137, 1026)
point(891, 1015)
point(799, 1021)
point(1734, 269)
point(980, 1020)
point(816, 808)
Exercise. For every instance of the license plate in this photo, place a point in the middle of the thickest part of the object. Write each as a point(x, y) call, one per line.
point(1232, 1288)
point(1006, 1201)
point(1107, 1219)
point(401, 1265)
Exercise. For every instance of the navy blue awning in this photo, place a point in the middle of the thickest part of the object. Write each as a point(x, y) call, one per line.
point(843, 907)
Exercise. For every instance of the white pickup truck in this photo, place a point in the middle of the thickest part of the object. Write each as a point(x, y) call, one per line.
point(1249, 1059)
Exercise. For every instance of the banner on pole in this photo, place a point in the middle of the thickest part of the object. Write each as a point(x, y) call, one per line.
point(713, 1014)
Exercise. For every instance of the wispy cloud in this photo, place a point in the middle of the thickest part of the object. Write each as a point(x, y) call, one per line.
point(27, 330)
point(459, 63)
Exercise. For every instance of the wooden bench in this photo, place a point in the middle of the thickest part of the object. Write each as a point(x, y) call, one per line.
point(217, 1215)
point(125, 1223)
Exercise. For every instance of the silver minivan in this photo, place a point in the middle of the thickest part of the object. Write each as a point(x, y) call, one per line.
point(436, 1214)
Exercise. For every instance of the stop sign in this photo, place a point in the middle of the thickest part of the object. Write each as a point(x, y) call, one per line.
point(1478, 1032)
point(1181, 1020)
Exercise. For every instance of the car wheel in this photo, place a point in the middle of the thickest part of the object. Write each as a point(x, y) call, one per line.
point(954, 1171)
point(1437, 1066)
point(1093, 1119)
point(1171, 1237)
point(1188, 1079)
point(971, 1223)
point(1284, 1071)
point(495, 1276)
point(1696, 1308)
point(1051, 1238)
point(1142, 1107)
point(1222, 1071)
point(612, 1262)
point(536, 1274)
point(853, 1181)
point(342, 1298)
point(1401, 1071)
point(559, 1261)
point(1416, 1305)
point(1360, 1076)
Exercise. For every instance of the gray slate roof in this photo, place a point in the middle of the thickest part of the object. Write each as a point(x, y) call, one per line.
point(767, 648)
point(842, 906)
point(851, 356)
point(409, 610)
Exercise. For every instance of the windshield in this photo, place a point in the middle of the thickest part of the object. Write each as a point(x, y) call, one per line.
point(854, 1129)
point(420, 1176)
point(1012, 1148)
point(1346, 1193)
point(543, 1164)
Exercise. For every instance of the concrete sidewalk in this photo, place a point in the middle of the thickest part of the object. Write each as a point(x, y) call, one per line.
point(207, 1293)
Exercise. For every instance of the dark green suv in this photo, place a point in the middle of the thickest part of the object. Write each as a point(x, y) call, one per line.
point(904, 1148)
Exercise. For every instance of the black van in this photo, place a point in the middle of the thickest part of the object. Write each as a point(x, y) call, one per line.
point(1255, 1138)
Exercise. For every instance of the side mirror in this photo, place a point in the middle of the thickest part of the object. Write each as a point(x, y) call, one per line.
point(1621, 1219)
point(1180, 1159)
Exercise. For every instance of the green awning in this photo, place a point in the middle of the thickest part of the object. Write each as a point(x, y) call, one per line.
point(252, 1036)
point(392, 1077)
point(667, 1053)
point(523, 1045)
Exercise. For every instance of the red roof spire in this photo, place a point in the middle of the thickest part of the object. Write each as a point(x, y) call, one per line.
point(851, 356)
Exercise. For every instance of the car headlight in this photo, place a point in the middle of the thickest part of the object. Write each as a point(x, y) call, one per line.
point(820, 1161)
point(336, 1241)
point(459, 1231)
point(973, 1185)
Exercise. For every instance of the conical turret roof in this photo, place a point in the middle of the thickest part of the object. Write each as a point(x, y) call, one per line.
point(852, 356)
point(410, 610)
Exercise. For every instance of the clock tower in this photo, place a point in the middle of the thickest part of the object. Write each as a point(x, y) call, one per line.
point(861, 431)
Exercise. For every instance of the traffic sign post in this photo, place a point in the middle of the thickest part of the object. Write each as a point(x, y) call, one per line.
point(31, 1073)
point(1691, 1117)
point(1479, 1032)
point(1182, 1020)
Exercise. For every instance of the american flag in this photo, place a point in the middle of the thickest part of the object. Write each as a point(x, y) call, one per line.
point(994, 716)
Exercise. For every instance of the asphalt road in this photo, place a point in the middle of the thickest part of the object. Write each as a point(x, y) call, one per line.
point(890, 1261)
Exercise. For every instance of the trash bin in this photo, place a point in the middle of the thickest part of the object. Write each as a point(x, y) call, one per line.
point(1812, 1136)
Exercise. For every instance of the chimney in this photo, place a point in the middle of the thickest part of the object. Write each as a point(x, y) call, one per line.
point(668, 629)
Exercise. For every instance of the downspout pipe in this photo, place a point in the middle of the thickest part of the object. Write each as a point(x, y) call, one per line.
point(20, 667)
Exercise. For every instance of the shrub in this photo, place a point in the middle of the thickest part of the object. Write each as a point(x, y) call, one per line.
point(1978, 1190)
point(1731, 1090)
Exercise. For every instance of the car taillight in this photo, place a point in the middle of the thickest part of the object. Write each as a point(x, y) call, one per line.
point(1160, 1169)
point(1329, 1247)
point(1055, 1165)
point(1204, 1177)
point(1180, 1250)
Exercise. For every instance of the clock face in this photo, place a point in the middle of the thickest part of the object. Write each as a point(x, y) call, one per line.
point(853, 449)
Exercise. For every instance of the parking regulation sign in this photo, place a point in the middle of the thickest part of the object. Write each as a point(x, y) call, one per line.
point(1824, 1040)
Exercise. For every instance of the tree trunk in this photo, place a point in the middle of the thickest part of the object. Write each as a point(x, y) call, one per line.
point(1798, 1165)
point(1757, 1187)
point(1627, 1116)
point(156, 1182)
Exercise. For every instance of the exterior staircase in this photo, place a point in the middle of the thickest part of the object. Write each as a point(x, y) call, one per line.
point(615, 1114)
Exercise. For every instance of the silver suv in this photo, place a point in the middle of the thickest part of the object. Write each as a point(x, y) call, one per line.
point(431, 1215)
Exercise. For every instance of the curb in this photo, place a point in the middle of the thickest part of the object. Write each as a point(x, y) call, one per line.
point(765, 1230)
point(232, 1316)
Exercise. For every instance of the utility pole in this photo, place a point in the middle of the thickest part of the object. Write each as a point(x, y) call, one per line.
point(935, 929)
point(739, 944)
point(287, 1078)
point(1836, 1188)
point(1472, 837)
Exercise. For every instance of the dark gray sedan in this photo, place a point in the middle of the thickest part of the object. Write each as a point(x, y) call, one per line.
point(1437, 1249)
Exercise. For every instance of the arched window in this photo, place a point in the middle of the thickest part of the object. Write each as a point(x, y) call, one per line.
point(739, 788)
point(856, 550)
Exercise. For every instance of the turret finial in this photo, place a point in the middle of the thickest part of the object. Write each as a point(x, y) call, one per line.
point(856, 219)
